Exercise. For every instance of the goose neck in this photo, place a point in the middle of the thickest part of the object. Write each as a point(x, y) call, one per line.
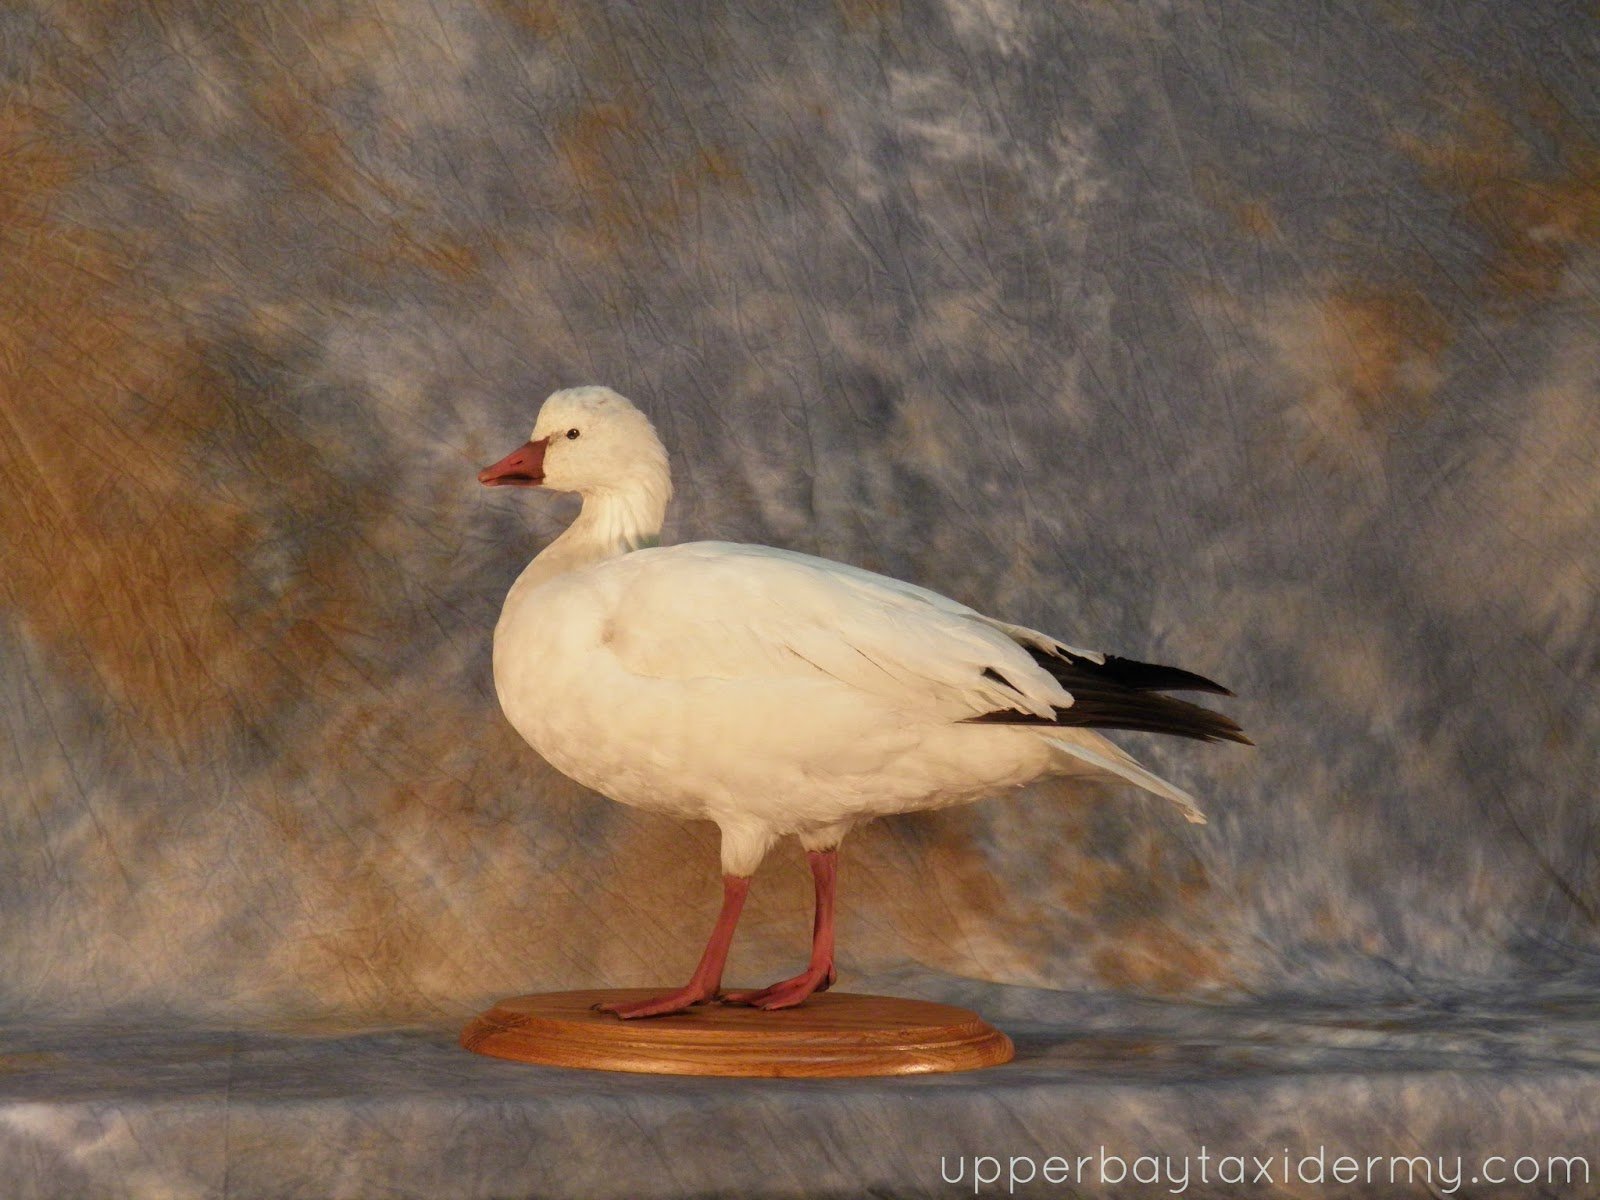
point(612, 522)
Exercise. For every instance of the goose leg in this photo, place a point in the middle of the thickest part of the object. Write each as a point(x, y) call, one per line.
point(707, 979)
point(819, 974)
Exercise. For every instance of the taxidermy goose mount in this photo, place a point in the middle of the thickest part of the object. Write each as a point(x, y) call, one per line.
point(779, 694)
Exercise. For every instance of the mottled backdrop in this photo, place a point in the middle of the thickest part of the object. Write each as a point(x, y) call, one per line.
point(1258, 338)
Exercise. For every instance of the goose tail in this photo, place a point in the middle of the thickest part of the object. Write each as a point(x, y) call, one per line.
point(1113, 761)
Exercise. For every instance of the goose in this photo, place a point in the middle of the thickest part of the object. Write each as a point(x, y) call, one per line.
point(777, 694)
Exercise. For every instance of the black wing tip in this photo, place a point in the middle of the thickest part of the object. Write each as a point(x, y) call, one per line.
point(1156, 677)
point(1121, 693)
point(1221, 728)
point(1175, 717)
point(1202, 724)
point(1124, 693)
point(1235, 735)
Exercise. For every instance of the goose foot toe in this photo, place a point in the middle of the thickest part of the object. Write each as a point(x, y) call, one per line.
point(788, 993)
point(681, 1000)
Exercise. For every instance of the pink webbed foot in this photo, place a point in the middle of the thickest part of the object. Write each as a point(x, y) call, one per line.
point(787, 993)
point(705, 984)
point(819, 976)
point(679, 1001)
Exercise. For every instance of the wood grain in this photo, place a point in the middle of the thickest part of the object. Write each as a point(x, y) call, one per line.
point(835, 1034)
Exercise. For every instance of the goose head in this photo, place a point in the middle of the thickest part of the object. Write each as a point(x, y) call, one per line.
point(588, 440)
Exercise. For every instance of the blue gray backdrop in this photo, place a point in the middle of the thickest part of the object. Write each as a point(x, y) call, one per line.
point(1256, 338)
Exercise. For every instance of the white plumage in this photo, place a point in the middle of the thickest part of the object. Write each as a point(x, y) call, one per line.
point(771, 692)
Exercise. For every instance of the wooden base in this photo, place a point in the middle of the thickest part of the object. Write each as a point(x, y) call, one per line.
point(833, 1034)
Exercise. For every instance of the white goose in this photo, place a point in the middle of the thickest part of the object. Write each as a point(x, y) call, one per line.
point(776, 693)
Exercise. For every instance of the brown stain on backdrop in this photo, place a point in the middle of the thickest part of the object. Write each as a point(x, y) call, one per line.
point(622, 202)
point(1535, 209)
point(129, 570)
point(130, 567)
point(1251, 214)
point(115, 563)
point(862, 15)
point(297, 69)
point(441, 256)
point(1525, 176)
point(636, 176)
point(295, 64)
point(117, 567)
point(979, 917)
point(1383, 346)
point(542, 18)
point(1155, 927)
point(1376, 347)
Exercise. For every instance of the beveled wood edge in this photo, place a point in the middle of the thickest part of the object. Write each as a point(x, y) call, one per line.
point(987, 1050)
point(717, 1037)
point(542, 1041)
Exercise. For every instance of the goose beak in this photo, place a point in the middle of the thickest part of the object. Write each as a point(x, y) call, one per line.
point(523, 467)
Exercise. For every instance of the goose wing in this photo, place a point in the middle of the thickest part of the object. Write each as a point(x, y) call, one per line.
point(728, 611)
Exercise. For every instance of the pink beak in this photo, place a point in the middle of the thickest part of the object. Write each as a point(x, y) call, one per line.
point(523, 467)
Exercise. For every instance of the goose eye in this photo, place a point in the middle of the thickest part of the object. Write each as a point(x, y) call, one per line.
point(572, 433)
